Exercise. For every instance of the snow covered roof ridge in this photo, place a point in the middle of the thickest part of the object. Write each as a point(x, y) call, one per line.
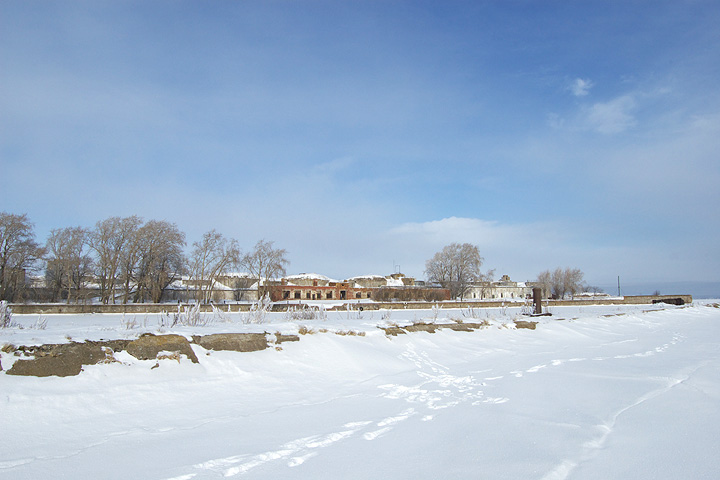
point(238, 274)
point(309, 276)
point(358, 277)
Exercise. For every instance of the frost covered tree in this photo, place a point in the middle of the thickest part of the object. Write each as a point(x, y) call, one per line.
point(211, 257)
point(455, 267)
point(562, 282)
point(69, 264)
point(265, 262)
point(109, 239)
point(19, 253)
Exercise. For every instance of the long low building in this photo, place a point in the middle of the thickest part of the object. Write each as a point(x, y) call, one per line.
point(331, 291)
point(367, 287)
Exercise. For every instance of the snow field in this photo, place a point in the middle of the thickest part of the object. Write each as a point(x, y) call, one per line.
point(608, 392)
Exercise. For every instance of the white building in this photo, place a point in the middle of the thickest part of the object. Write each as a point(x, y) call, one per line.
point(504, 289)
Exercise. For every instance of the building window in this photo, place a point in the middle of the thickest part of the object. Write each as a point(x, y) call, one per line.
point(286, 294)
point(297, 295)
point(329, 296)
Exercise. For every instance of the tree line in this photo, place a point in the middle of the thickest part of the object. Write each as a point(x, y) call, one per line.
point(564, 282)
point(127, 259)
point(457, 267)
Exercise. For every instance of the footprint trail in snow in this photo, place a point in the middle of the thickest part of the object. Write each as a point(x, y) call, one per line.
point(438, 389)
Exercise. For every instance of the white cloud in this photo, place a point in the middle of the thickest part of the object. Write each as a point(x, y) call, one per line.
point(674, 171)
point(337, 165)
point(555, 121)
point(520, 250)
point(455, 229)
point(580, 87)
point(611, 117)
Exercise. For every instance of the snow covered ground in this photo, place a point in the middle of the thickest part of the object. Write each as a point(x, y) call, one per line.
point(592, 393)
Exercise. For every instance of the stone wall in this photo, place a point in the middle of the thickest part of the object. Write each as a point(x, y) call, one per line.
point(53, 308)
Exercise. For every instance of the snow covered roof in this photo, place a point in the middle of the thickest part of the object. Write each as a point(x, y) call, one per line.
point(367, 277)
point(221, 286)
point(176, 284)
point(238, 275)
point(309, 276)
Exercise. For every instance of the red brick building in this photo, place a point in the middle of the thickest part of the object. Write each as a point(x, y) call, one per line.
point(331, 291)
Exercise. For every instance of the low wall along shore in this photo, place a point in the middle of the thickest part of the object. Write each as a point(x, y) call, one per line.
point(54, 308)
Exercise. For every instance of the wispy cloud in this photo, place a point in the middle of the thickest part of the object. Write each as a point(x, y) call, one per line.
point(675, 172)
point(611, 117)
point(458, 229)
point(518, 249)
point(614, 116)
point(522, 250)
point(336, 165)
point(580, 87)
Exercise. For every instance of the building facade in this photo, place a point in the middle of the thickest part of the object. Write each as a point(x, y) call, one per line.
point(316, 291)
point(503, 289)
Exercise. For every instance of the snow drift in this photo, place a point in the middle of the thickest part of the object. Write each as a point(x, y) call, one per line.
point(593, 392)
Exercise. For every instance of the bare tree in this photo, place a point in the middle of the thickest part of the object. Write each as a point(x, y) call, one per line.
point(55, 270)
point(265, 263)
point(562, 282)
point(573, 281)
point(129, 261)
point(160, 259)
point(19, 253)
point(544, 279)
point(109, 239)
point(211, 257)
point(69, 264)
point(455, 267)
point(485, 283)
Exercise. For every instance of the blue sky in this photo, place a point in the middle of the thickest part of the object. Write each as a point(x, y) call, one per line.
point(364, 135)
